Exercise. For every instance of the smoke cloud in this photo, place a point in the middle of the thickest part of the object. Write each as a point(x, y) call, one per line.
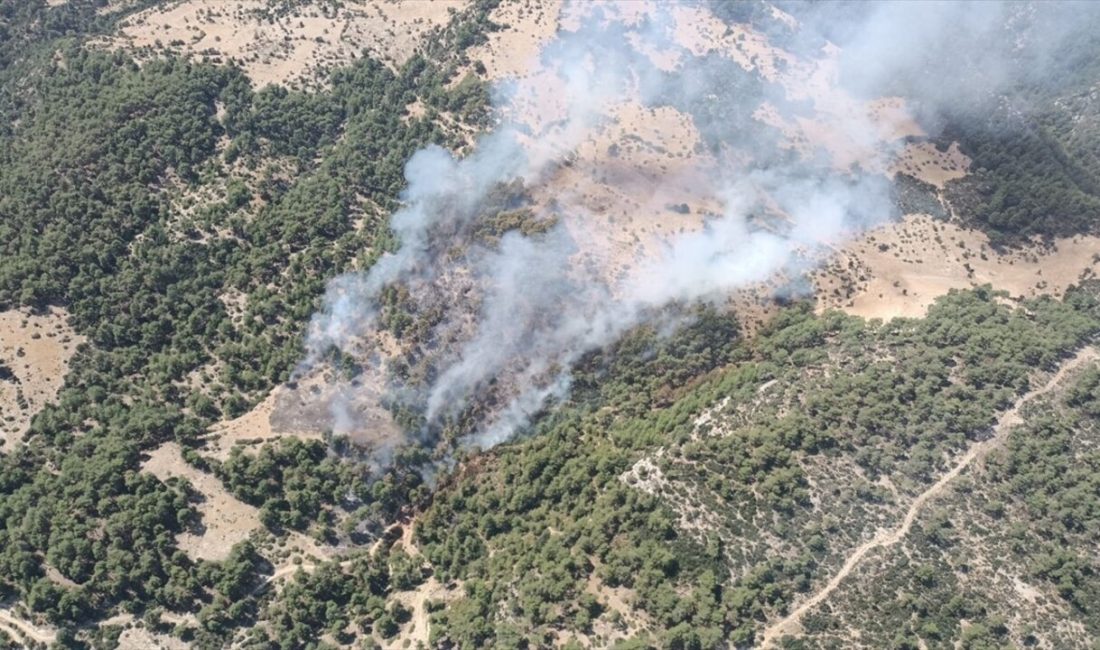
point(499, 321)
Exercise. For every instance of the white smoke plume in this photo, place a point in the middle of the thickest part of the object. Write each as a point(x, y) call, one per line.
point(511, 317)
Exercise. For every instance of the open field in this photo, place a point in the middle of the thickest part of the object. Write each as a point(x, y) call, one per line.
point(225, 520)
point(900, 268)
point(34, 357)
point(291, 44)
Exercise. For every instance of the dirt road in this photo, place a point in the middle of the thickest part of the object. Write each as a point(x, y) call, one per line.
point(790, 624)
point(21, 630)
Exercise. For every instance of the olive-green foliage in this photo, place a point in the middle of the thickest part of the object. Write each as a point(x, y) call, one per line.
point(330, 599)
point(97, 156)
point(553, 511)
point(293, 481)
point(537, 520)
point(1028, 513)
point(491, 229)
point(1085, 395)
point(1035, 168)
point(99, 159)
point(1026, 181)
point(1051, 470)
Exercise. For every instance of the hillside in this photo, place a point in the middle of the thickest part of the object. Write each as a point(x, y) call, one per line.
point(527, 323)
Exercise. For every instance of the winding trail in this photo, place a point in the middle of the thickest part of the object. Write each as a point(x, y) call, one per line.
point(309, 565)
point(291, 569)
point(790, 624)
point(18, 629)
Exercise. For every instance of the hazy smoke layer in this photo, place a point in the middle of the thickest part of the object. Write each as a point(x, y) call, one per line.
point(506, 318)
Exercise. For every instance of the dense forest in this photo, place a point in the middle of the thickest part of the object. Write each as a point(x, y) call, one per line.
point(691, 489)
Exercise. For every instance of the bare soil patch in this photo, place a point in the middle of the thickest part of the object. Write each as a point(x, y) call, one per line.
point(20, 629)
point(922, 160)
point(632, 620)
point(34, 358)
point(139, 638)
point(416, 630)
point(701, 32)
point(632, 187)
point(308, 409)
point(225, 520)
point(900, 268)
point(256, 427)
point(512, 51)
point(292, 43)
point(640, 176)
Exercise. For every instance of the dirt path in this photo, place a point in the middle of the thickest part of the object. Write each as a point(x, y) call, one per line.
point(790, 624)
point(18, 629)
point(290, 569)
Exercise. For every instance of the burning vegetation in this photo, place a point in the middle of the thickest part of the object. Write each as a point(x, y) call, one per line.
point(530, 324)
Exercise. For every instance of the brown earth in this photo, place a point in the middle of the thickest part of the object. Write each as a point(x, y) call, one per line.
point(256, 426)
point(511, 51)
point(225, 520)
point(900, 268)
point(923, 161)
point(296, 44)
point(139, 638)
point(415, 631)
point(635, 164)
point(20, 629)
point(310, 408)
point(36, 348)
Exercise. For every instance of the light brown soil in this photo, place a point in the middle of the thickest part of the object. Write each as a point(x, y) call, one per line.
point(225, 520)
point(297, 553)
point(630, 168)
point(55, 576)
point(236, 302)
point(845, 130)
point(839, 124)
point(416, 630)
point(139, 638)
point(701, 32)
point(295, 46)
point(922, 160)
point(620, 600)
point(20, 629)
point(755, 305)
point(36, 348)
point(255, 427)
point(511, 51)
point(622, 184)
point(307, 409)
point(899, 269)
